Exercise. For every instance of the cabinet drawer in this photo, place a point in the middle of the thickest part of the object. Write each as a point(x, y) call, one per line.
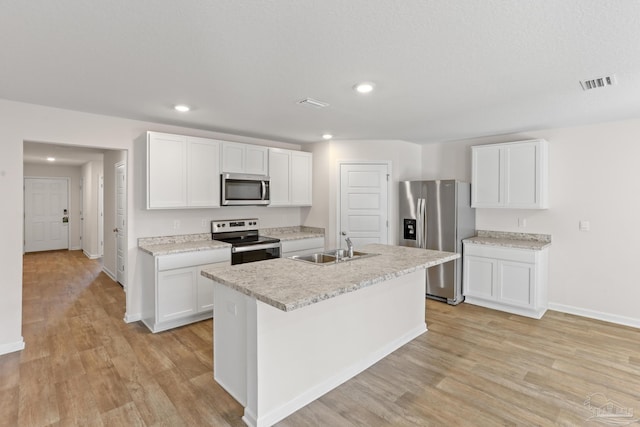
point(190, 259)
point(302, 244)
point(497, 252)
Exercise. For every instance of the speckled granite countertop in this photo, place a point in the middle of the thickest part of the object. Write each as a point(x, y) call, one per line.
point(288, 285)
point(507, 239)
point(292, 233)
point(167, 245)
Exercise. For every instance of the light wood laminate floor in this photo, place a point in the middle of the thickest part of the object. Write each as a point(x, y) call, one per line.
point(83, 365)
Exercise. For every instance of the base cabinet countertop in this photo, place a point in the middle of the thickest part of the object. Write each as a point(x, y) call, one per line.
point(286, 332)
point(507, 272)
point(175, 293)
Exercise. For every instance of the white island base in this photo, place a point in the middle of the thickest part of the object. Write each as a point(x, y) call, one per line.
point(275, 362)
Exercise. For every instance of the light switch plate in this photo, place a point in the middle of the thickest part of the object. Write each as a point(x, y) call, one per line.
point(584, 225)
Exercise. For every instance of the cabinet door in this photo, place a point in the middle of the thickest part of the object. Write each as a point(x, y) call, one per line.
point(203, 173)
point(280, 173)
point(176, 293)
point(487, 177)
point(301, 173)
point(166, 171)
point(205, 286)
point(516, 283)
point(479, 277)
point(522, 172)
point(232, 157)
point(256, 160)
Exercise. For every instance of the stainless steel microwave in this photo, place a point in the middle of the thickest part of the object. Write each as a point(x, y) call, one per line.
point(238, 189)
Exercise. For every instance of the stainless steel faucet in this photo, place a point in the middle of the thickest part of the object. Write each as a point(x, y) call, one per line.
point(349, 247)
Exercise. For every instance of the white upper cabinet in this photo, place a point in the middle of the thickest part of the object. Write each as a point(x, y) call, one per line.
point(280, 174)
point(166, 171)
point(290, 173)
point(203, 173)
point(511, 175)
point(301, 172)
point(182, 172)
point(244, 158)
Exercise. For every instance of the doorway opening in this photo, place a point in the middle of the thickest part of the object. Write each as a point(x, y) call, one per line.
point(93, 197)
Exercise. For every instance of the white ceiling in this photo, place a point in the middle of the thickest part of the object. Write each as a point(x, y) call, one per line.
point(443, 69)
point(64, 155)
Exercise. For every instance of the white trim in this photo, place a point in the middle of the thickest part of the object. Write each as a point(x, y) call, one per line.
point(130, 318)
point(90, 256)
point(598, 315)
point(109, 273)
point(339, 163)
point(12, 346)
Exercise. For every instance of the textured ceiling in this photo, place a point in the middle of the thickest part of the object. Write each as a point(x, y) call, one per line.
point(443, 69)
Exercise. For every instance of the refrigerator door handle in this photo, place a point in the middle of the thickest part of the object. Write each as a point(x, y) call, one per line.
point(419, 224)
point(424, 224)
point(421, 229)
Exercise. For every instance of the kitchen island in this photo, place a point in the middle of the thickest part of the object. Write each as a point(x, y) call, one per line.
point(286, 331)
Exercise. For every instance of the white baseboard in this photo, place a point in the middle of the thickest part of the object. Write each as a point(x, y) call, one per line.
point(90, 256)
point(109, 273)
point(130, 318)
point(598, 315)
point(12, 346)
point(75, 248)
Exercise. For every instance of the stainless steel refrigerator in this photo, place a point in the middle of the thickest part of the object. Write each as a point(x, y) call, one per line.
point(438, 215)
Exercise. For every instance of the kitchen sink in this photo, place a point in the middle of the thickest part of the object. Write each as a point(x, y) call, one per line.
point(318, 258)
point(332, 256)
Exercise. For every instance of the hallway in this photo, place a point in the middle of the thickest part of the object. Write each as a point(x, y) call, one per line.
point(82, 365)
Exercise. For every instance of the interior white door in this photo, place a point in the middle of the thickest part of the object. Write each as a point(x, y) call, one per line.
point(363, 203)
point(46, 214)
point(121, 215)
point(101, 216)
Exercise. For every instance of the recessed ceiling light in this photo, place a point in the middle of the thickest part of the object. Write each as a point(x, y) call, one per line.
point(364, 87)
point(182, 108)
point(327, 136)
point(51, 159)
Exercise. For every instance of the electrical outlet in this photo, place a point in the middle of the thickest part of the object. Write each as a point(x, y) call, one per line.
point(203, 223)
point(176, 224)
point(584, 225)
point(522, 222)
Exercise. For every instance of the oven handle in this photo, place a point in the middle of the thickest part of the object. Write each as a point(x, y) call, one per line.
point(255, 247)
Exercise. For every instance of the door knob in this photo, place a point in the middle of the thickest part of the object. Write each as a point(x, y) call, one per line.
point(344, 233)
point(115, 230)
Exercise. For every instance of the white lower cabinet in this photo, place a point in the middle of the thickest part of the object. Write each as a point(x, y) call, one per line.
point(508, 279)
point(302, 246)
point(174, 291)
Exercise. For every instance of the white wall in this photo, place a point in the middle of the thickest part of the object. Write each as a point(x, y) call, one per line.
point(405, 160)
point(22, 122)
point(61, 171)
point(91, 172)
point(593, 176)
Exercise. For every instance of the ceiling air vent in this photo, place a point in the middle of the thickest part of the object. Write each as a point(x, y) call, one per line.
point(313, 103)
point(598, 82)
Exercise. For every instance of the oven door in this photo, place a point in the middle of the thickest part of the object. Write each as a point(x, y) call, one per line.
point(252, 253)
point(244, 189)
